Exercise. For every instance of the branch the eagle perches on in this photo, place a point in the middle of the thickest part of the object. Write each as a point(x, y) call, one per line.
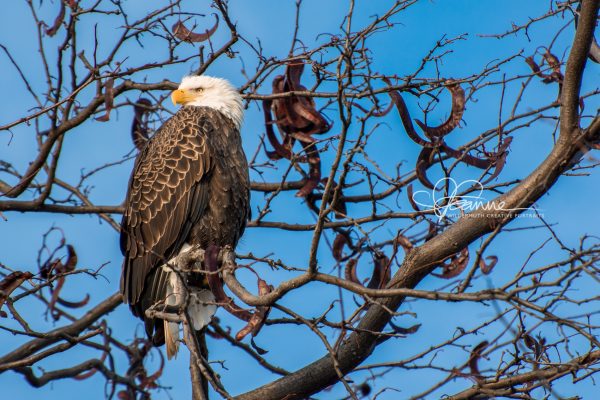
point(207, 261)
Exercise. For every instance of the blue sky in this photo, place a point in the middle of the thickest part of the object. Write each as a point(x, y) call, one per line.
point(569, 205)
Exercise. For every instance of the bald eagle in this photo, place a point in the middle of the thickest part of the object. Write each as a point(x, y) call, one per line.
point(189, 187)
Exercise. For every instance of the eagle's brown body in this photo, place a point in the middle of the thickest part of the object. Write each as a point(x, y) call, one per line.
point(189, 185)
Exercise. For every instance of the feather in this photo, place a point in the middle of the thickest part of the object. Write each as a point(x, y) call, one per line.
point(200, 308)
point(172, 328)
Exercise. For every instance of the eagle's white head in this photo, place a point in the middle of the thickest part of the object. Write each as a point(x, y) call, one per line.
point(208, 91)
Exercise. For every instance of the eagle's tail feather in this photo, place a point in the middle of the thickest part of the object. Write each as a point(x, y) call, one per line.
point(201, 308)
point(200, 313)
point(171, 339)
point(172, 328)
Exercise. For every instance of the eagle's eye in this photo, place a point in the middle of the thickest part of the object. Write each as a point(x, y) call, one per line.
point(199, 90)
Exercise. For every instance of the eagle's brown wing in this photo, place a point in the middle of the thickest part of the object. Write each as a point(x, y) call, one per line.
point(167, 196)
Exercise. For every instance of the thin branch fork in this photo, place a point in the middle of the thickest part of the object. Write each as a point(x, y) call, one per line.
point(59, 334)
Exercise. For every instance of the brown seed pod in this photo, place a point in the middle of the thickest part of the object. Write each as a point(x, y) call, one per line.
point(405, 117)
point(338, 246)
point(296, 118)
point(139, 128)
point(486, 268)
point(458, 108)
point(181, 32)
point(381, 272)
point(456, 265)
point(259, 316)
point(216, 285)
point(350, 271)
point(108, 99)
point(51, 31)
point(9, 284)
point(474, 359)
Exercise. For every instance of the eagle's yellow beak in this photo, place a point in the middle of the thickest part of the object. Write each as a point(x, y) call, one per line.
point(180, 96)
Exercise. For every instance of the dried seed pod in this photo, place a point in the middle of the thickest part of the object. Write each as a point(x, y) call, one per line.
point(74, 304)
point(314, 171)
point(466, 157)
point(410, 194)
point(350, 271)
point(474, 359)
point(405, 117)
point(486, 268)
point(216, 285)
point(533, 345)
point(71, 259)
point(139, 127)
point(381, 272)
point(424, 162)
point(105, 353)
point(339, 242)
point(297, 118)
point(554, 63)
point(499, 159)
point(59, 269)
point(339, 208)
point(426, 158)
point(281, 150)
point(535, 68)
point(458, 108)
point(404, 331)
point(108, 99)
point(457, 264)
point(403, 242)
point(259, 316)
point(296, 113)
point(9, 284)
point(181, 32)
point(51, 31)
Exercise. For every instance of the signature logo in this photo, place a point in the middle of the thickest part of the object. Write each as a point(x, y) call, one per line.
point(444, 199)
